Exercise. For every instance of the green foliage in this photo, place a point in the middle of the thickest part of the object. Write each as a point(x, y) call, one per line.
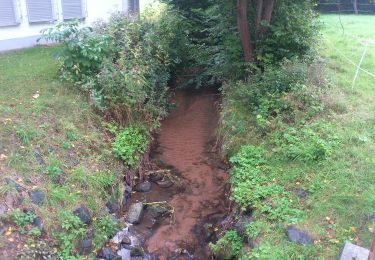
point(104, 229)
point(72, 229)
point(228, 246)
point(130, 144)
point(35, 232)
point(26, 134)
point(125, 64)
point(313, 142)
point(22, 219)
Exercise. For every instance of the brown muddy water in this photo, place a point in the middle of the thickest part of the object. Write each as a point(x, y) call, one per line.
point(187, 143)
point(196, 201)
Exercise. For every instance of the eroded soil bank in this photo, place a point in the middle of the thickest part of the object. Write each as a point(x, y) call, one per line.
point(187, 143)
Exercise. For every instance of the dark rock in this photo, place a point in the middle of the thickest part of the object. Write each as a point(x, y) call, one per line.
point(112, 205)
point(135, 213)
point(136, 251)
point(209, 232)
point(299, 236)
point(37, 222)
point(156, 176)
point(51, 149)
point(83, 213)
point(165, 183)
point(39, 158)
point(37, 197)
point(108, 254)
point(371, 217)
point(300, 193)
point(223, 166)
point(143, 186)
point(148, 221)
point(126, 240)
point(241, 224)
point(126, 195)
point(85, 246)
point(157, 211)
point(14, 184)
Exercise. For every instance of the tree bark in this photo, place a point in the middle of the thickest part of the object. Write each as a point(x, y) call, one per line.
point(355, 6)
point(267, 15)
point(243, 30)
point(258, 16)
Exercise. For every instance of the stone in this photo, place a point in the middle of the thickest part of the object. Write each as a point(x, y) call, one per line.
point(51, 149)
point(83, 213)
point(223, 166)
point(37, 222)
point(164, 183)
point(85, 246)
point(157, 211)
point(120, 237)
point(299, 236)
point(108, 254)
point(156, 176)
point(300, 193)
point(13, 183)
point(39, 158)
point(112, 205)
point(126, 240)
point(351, 251)
point(136, 251)
point(148, 221)
point(241, 224)
point(135, 213)
point(124, 253)
point(37, 197)
point(143, 186)
point(126, 195)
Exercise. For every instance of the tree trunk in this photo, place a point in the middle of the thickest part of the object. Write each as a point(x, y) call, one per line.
point(267, 15)
point(243, 30)
point(258, 16)
point(355, 6)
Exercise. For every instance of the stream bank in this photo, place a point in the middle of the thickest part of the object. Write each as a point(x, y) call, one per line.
point(187, 196)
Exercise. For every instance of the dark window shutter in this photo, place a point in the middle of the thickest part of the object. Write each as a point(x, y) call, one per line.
point(72, 9)
point(39, 11)
point(7, 13)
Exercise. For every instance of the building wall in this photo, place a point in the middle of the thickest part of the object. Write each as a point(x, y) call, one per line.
point(25, 34)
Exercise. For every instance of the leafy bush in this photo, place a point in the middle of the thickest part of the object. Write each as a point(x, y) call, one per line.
point(254, 186)
point(123, 65)
point(227, 247)
point(22, 219)
point(314, 142)
point(104, 229)
point(288, 93)
point(130, 144)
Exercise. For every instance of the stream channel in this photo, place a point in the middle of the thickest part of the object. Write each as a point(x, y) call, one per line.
point(187, 198)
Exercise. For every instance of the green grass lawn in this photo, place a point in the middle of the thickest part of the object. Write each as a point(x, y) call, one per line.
point(340, 189)
point(52, 141)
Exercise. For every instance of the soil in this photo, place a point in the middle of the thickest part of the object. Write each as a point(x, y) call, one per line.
point(186, 143)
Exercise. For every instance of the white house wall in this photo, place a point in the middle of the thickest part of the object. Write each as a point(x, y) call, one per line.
point(25, 34)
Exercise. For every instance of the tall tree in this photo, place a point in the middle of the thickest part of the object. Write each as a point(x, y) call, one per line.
point(243, 30)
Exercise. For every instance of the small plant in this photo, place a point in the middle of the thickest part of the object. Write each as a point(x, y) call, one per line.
point(104, 228)
point(227, 247)
point(22, 219)
point(72, 229)
point(72, 136)
point(35, 232)
point(53, 171)
point(25, 134)
point(129, 145)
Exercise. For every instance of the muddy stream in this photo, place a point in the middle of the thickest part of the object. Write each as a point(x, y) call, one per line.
point(185, 146)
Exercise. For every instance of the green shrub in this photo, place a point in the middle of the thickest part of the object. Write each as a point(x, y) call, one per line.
point(104, 229)
point(313, 142)
point(130, 144)
point(22, 219)
point(227, 247)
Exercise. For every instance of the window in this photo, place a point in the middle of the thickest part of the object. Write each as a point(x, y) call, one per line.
point(7, 13)
point(39, 11)
point(72, 9)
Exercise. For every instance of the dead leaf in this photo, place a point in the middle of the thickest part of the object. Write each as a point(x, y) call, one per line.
point(35, 96)
point(3, 157)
